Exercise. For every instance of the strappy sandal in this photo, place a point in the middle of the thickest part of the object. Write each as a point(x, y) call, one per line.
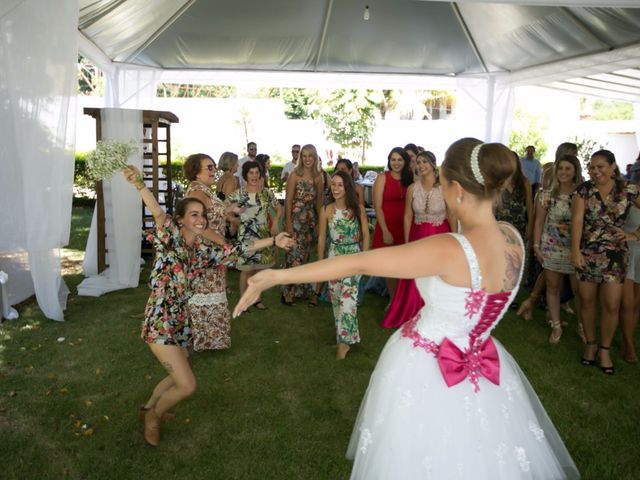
point(585, 361)
point(526, 308)
point(607, 370)
point(556, 333)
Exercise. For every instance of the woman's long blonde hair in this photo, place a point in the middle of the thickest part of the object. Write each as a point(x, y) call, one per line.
point(315, 169)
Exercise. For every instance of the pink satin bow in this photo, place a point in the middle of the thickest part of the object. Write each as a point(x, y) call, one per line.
point(457, 365)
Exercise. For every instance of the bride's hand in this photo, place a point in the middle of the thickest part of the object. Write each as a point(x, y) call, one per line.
point(257, 284)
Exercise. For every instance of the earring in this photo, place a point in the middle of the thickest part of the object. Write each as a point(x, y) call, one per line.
point(459, 200)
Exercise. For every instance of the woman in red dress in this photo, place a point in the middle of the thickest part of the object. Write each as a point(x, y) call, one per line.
point(389, 192)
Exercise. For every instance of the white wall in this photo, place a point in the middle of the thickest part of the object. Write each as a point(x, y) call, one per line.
point(213, 126)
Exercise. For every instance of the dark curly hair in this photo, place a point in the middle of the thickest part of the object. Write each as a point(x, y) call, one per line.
point(193, 164)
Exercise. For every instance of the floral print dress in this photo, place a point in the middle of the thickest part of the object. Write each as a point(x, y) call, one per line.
point(344, 239)
point(305, 219)
point(555, 242)
point(604, 254)
point(512, 208)
point(210, 316)
point(254, 225)
point(176, 265)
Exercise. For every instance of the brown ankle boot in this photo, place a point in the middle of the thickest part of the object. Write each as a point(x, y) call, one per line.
point(152, 428)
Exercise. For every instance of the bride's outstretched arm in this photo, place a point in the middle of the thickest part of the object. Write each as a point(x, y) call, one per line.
point(416, 259)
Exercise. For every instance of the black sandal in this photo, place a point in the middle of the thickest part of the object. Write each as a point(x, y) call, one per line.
point(586, 362)
point(607, 370)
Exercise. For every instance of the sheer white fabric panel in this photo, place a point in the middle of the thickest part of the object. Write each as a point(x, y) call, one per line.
point(132, 87)
point(38, 56)
point(485, 107)
point(123, 214)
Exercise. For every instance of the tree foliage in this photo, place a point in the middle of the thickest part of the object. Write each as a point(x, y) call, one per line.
point(528, 129)
point(349, 118)
point(90, 78)
point(195, 90)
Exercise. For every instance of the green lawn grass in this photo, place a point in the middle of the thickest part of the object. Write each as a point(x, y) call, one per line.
point(276, 405)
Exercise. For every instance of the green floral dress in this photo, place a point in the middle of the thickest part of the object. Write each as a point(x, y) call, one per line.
point(344, 239)
point(175, 268)
point(254, 225)
point(305, 220)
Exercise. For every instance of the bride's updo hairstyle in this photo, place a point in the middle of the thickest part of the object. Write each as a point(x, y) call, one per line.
point(481, 171)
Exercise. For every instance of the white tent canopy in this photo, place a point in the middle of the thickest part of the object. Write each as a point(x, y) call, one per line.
point(482, 49)
point(523, 38)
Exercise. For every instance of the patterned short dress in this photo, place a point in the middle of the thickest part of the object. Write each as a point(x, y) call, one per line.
point(512, 208)
point(254, 225)
point(605, 256)
point(305, 219)
point(344, 239)
point(555, 243)
point(210, 316)
point(175, 267)
point(633, 265)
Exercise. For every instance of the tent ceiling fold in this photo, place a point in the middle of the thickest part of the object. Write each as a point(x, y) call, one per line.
point(417, 37)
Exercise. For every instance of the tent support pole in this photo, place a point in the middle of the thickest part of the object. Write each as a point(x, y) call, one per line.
point(467, 33)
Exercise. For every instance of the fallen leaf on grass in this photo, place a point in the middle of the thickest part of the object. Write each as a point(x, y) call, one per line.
point(106, 417)
point(88, 403)
point(187, 420)
point(77, 423)
point(12, 393)
point(88, 432)
point(98, 371)
point(64, 390)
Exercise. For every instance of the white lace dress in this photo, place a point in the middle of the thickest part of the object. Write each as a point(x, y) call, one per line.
point(411, 425)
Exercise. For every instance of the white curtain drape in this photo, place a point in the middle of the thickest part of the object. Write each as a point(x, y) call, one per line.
point(485, 107)
point(123, 215)
point(38, 82)
point(131, 87)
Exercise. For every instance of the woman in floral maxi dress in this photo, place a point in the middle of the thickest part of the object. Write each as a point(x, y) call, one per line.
point(210, 317)
point(302, 206)
point(348, 229)
point(256, 221)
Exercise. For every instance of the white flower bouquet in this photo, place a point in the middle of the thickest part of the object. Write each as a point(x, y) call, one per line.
point(109, 157)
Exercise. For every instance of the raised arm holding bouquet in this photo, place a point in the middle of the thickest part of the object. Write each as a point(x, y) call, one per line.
point(181, 255)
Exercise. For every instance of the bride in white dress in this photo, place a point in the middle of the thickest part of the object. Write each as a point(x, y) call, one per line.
point(446, 400)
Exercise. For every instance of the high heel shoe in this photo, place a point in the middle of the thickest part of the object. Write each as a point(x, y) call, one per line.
point(284, 301)
point(556, 333)
point(585, 361)
point(526, 308)
point(606, 370)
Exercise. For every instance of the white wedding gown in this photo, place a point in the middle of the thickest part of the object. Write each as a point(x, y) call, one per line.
point(411, 425)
